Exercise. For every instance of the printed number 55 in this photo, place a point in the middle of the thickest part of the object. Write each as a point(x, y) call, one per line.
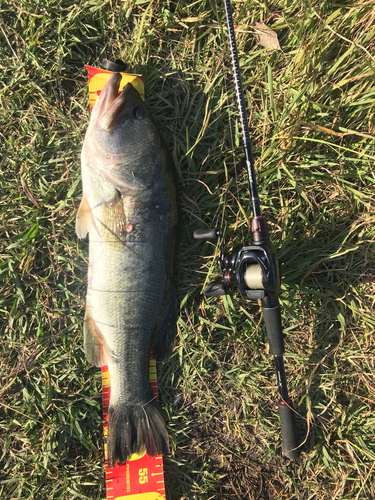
point(143, 476)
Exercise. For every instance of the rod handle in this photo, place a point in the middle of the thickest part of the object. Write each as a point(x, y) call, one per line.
point(272, 320)
point(288, 430)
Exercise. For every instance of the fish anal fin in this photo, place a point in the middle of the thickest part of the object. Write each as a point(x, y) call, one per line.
point(96, 348)
point(83, 219)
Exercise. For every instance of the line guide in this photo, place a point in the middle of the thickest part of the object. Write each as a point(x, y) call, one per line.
point(141, 477)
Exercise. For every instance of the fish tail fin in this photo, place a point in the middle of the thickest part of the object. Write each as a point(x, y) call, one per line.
point(135, 429)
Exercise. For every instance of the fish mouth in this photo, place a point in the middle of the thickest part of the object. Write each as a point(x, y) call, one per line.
point(114, 108)
point(110, 105)
point(110, 91)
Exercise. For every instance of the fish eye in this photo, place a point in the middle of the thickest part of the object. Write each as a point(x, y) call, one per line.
point(139, 113)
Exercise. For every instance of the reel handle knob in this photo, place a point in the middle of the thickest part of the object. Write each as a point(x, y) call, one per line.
point(214, 290)
point(206, 234)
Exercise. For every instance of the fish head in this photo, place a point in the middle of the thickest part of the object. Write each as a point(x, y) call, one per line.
point(122, 140)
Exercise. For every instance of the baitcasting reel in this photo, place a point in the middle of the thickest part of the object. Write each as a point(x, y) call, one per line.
point(254, 271)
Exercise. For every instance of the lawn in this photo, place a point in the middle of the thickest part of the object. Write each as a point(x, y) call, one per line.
point(311, 110)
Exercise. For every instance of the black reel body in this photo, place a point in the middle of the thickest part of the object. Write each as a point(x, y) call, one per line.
point(253, 270)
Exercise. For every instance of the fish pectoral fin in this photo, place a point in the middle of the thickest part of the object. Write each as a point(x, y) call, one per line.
point(96, 348)
point(83, 219)
point(114, 219)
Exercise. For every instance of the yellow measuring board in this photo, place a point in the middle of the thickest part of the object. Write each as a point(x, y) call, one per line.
point(141, 477)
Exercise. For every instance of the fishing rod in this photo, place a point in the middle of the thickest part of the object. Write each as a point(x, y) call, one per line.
point(253, 270)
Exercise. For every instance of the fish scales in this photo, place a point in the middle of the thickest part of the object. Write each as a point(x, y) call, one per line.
point(126, 297)
point(130, 210)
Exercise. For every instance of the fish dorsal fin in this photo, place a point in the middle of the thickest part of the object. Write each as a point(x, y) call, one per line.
point(83, 219)
point(96, 348)
point(114, 220)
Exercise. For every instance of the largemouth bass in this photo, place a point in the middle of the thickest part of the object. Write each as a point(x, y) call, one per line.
point(130, 210)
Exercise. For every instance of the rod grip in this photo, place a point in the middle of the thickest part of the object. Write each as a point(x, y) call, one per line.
point(272, 319)
point(288, 431)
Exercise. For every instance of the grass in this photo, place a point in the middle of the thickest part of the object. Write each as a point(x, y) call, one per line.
point(311, 116)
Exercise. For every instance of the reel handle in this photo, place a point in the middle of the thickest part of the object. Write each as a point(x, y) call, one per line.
point(214, 290)
point(206, 234)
